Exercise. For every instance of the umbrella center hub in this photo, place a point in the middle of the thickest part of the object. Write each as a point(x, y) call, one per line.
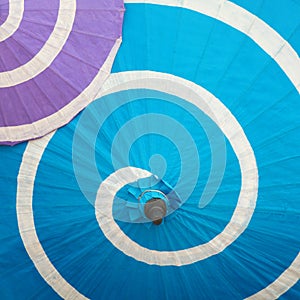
point(155, 207)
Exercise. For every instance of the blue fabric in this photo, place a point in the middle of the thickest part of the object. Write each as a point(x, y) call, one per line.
point(282, 16)
point(266, 104)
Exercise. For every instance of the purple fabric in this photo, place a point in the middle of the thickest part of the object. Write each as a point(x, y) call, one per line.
point(35, 28)
point(97, 25)
point(3, 11)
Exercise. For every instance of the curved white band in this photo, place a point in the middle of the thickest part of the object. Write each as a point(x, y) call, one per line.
point(282, 284)
point(240, 19)
point(13, 21)
point(217, 111)
point(26, 178)
point(256, 29)
point(64, 115)
point(52, 47)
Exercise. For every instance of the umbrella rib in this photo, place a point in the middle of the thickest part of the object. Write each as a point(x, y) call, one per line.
point(208, 40)
point(267, 64)
point(260, 114)
point(283, 159)
point(63, 51)
point(23, 46)
point(275, 136)
point(179, 22)
point(59, 27)
point(233, 59)
point(57, 37)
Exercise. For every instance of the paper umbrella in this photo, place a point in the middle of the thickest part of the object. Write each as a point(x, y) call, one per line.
point(54, 57)
point(181, 181)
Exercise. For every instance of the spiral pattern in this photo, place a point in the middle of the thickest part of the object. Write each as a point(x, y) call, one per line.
point(153, 124)
point(238, 246)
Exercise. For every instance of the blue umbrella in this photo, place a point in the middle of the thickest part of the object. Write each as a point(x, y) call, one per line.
point(200, 117)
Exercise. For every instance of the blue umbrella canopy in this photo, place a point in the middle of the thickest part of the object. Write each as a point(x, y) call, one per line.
point(201, 112)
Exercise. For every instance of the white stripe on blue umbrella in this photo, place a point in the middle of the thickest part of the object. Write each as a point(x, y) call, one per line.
point(210, 87)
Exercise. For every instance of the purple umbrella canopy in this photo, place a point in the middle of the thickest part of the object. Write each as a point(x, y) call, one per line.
point(54, 57)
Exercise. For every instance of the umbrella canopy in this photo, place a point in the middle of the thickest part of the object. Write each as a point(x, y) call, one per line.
point(54, 57)
point(201, 112)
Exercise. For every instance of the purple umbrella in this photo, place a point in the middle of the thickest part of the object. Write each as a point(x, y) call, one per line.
point(54, 57)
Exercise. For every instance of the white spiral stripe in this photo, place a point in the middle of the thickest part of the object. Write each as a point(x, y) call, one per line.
point(256, 29)
point(40, 259)
point(216, 110)
point(282, 284)
point(52, 47)
point(289, 62)
point(13, 21)
point(26, 177)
